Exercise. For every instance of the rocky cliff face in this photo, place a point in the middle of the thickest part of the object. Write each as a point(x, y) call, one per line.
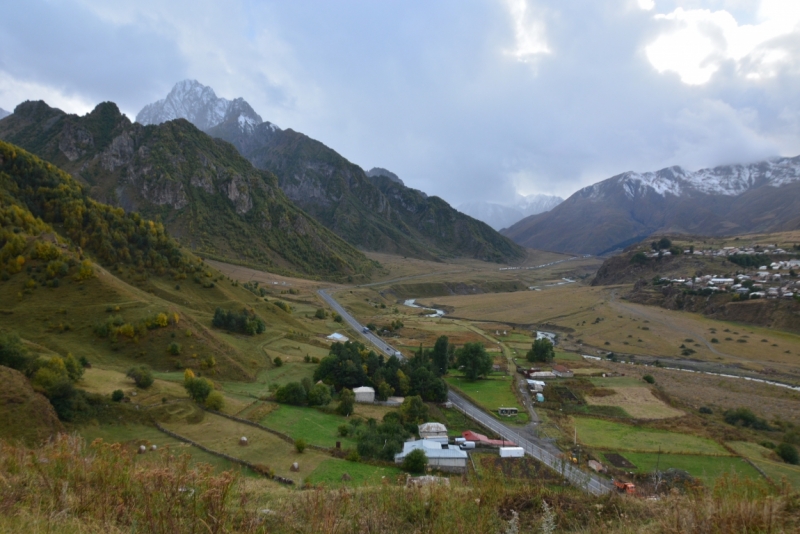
point(205, 192)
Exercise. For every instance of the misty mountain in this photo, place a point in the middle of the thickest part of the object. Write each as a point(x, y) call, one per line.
point(4, 113)
point(725, 200)
point(206, 194)
point(374, 172)
point(336, 192)
point(500, 216)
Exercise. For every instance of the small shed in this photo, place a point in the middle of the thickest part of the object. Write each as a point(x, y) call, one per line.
point(364, 394)
point(507, 411)
point(562, 371)
point(433, 431)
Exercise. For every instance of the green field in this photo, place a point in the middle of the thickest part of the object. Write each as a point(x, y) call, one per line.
point(600, 434)
point(310, 424)
point(764, 459)
point(705, 468)
point(617, 382)
point(491, 393)
point(329, 473)
point(568, 357)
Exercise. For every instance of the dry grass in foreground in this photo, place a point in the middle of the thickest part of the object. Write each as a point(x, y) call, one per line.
point(66, 486)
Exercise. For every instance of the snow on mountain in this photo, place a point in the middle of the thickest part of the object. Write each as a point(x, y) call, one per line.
point(500, 216)
point(200, 105)
point(4, 113)
point(727, 180)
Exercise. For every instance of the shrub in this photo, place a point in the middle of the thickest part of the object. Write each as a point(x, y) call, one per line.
point(347, 401)
point(706, 410)
point(174, 348)
point(300, 445)
point(198, 388)
point(215, 401)
point(117, 395)
point(292, 393)
point(649, 379)
point(320, 313)
point(353, 456)
point(319, 395)
point(714, 340)
point(788, 453)
point(142, 376)
point(541, 351)
point(277, 361)
point(415, 461)
point(344, 430)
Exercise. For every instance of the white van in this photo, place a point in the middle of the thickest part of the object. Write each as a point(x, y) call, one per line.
point(467, 445)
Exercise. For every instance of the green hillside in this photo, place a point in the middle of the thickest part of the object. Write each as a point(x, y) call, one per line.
point(206, 195)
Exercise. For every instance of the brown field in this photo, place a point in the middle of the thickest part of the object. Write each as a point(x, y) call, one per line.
point(639, 402)
point(720, 393)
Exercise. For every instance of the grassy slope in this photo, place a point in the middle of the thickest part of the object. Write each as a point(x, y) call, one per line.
point(24, 414)
point(601, 434)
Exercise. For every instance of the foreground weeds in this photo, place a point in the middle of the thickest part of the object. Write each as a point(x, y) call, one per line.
point(66, 486)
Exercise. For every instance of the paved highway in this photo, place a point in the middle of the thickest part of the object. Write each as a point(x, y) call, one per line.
point(589, 482)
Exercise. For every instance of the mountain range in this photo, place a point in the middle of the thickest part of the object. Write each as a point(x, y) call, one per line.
point(374, 212)
point(4, 113)
point(500, 216)
point(624, 209)
point(206, 194)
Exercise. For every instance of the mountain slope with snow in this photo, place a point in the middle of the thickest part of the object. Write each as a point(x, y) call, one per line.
point(199, 105)
point(725, 200)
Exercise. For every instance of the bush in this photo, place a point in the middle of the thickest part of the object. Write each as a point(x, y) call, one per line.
point(14, 354)
point(746, 418)
point(415, 461)
point(649, 379)
point(245, 322)
point(300, 445)
point(215, 401)
point(344, 430)
point(292, 393)
point(347, 401)
point(117, 395)
point(706, 410)
point(174, 348)
point(541, 351)
point(788, 453)
point(198, 388)
point(277, 361)
point(142, 376)
point(319, 395)
point(353, 456)
point(320, 313)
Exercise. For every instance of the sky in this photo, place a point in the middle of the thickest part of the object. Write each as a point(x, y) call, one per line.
point(465, 99)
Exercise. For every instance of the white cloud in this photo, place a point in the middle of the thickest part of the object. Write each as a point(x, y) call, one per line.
point(697, 42)
point(14, 91)
point(647, 5)
point(529, 32)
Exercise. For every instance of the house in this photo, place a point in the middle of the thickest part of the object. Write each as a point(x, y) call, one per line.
point(364, 394)
point(440, 455)
point(562, 372)
point(433, 431)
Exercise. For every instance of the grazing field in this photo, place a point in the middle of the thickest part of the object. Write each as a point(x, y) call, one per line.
point(329, 473)
point(104, 382)
point(638, 401)
point(766, 460)
point(705, 468)
point(310, 424)
point(600, 434)
point(222, 435)
point(491, 394)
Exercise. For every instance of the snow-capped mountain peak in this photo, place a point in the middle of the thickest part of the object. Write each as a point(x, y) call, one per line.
point(200, 105)
point(727, 180)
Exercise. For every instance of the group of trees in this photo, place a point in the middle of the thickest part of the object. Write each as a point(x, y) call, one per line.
point(244, 322)
point(202, 391)
point(351, 364)
point(541, 351)
point(304, 392)
point(383, 440)
point(54, 377)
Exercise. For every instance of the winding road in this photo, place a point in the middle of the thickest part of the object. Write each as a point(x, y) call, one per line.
point(591, 483)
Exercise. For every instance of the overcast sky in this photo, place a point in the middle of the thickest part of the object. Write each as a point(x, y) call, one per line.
point(465, 99)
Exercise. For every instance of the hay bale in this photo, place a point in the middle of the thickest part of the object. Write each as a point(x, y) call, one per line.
point(243, 441)
point(142, 449)
point(153, 447)
point(295, 467)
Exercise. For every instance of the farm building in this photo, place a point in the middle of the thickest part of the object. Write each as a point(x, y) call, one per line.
point(364, 394)
point(433, 431)
point(562, 372)
point(440, 455)
point(469, 435)
point(508, 412)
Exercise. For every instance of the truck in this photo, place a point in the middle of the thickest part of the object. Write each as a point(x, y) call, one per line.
point(625, 487)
